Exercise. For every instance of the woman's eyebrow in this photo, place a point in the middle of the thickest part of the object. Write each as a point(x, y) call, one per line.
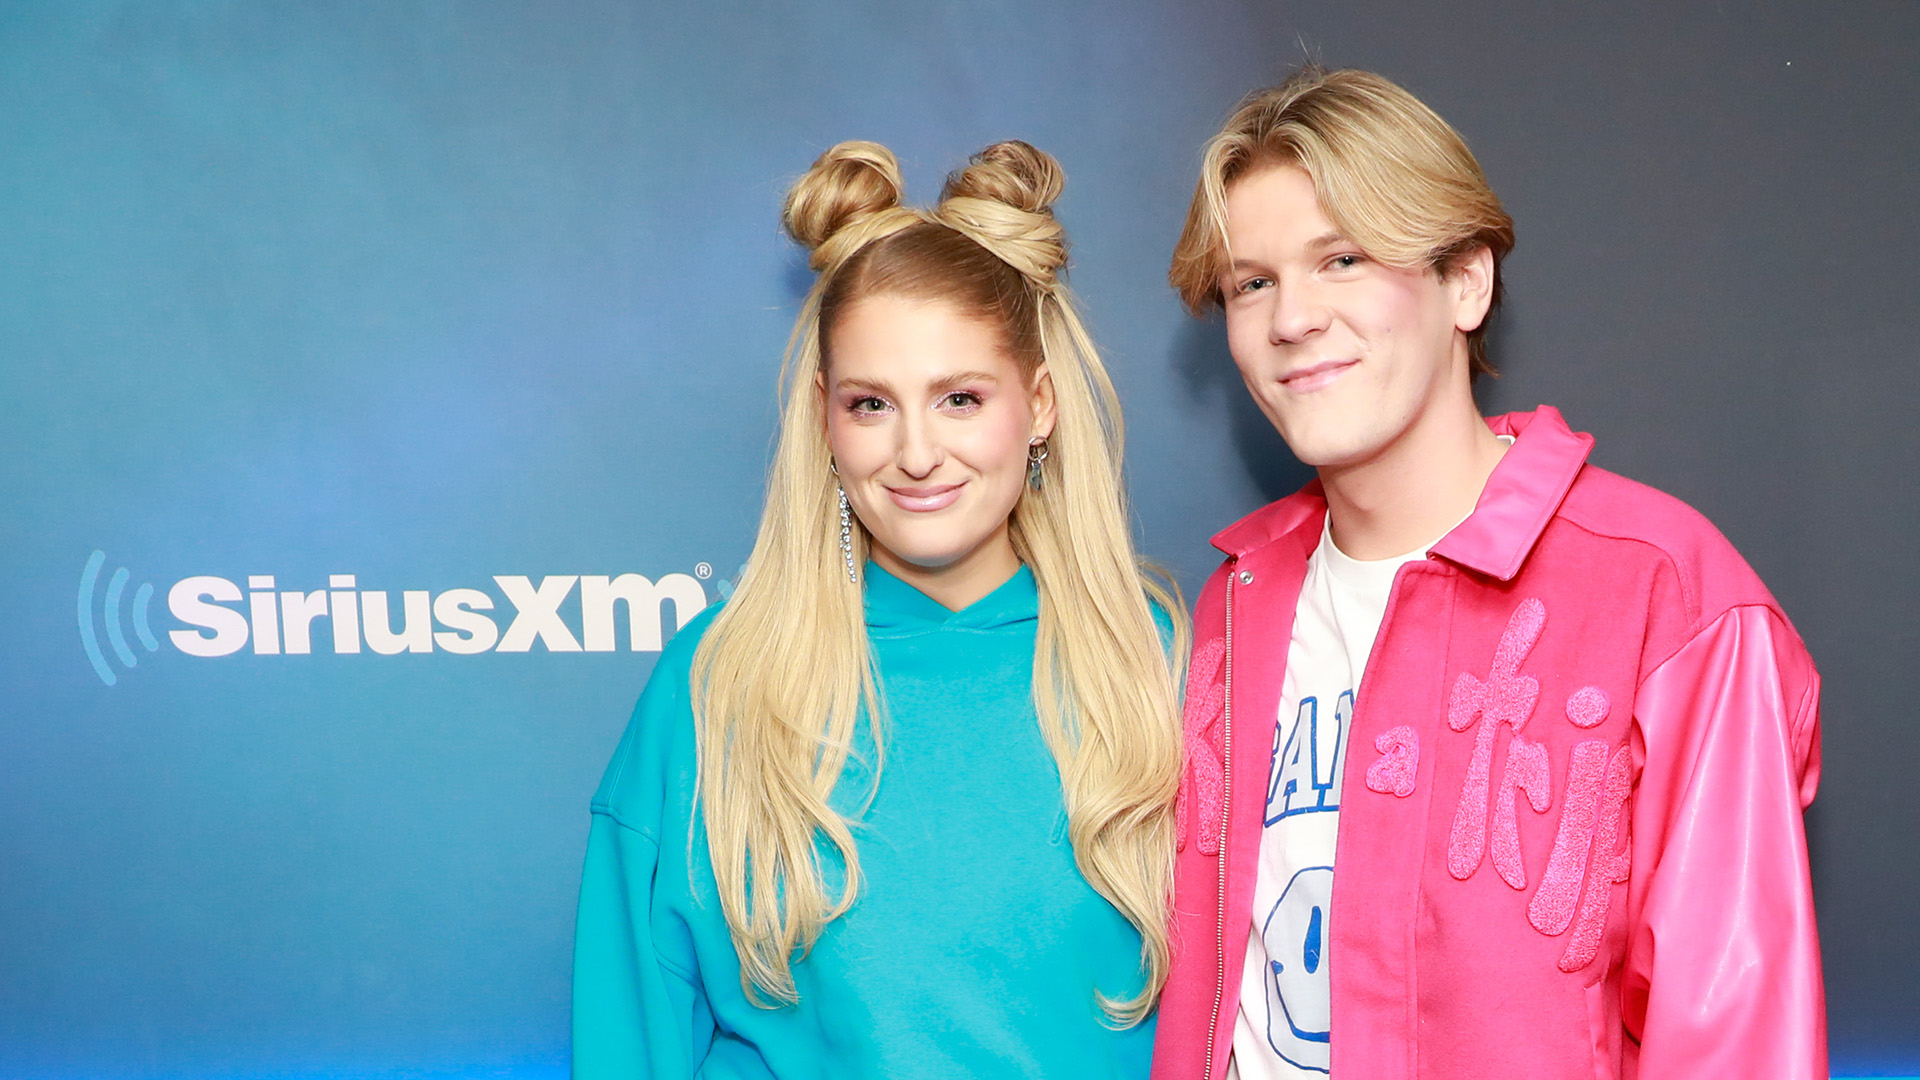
point(866, 386)
point(961, 378)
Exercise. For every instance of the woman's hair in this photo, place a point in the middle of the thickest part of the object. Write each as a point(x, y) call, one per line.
point(1389, 172)
point(783, 674)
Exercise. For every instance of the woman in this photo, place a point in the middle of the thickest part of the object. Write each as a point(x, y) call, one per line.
point(902, 807)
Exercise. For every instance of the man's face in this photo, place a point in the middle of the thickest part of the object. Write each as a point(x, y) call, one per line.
point(1344, 354)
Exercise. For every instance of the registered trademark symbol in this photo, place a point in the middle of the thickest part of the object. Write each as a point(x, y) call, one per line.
point(703, 571)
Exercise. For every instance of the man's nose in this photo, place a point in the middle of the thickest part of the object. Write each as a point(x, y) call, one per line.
point(1298, 312)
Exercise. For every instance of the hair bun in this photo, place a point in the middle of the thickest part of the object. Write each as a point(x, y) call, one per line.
point(850, 181)
point(1004, 200)
point(1011, 172)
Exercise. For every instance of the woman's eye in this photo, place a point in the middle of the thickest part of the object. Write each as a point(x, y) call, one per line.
point(868, 405)
point(961, 399)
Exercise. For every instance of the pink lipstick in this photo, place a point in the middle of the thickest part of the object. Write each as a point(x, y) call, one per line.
point(922, 500)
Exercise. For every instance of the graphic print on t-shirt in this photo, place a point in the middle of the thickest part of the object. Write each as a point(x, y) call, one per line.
point(1306, 780)
point(1306, 771)
point(1292, 931)
point(1295, 935)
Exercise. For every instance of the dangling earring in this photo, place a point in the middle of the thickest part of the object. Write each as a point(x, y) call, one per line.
point(1036, 456)
point(846, 533)
point(846, 519)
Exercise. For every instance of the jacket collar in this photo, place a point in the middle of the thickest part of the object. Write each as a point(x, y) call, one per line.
point(1521, 496)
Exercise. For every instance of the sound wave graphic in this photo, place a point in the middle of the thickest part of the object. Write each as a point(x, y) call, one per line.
point(116, 636)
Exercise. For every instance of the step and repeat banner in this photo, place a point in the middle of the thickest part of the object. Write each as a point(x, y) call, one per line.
point(382, 385)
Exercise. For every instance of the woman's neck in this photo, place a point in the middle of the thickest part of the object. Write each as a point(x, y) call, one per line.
point(963, 582)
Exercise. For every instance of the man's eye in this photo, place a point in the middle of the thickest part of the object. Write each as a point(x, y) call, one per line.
point(1253, 284)
point(1345, 262)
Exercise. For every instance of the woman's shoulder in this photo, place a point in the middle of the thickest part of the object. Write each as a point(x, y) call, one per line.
point(656, 753)
point(1163, 619)
point(676, 656)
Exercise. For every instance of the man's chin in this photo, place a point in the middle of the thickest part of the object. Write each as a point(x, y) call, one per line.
point(1329, 449)
point(1319, 441)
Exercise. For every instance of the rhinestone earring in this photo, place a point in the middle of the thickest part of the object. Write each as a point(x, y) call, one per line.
point(846, 533)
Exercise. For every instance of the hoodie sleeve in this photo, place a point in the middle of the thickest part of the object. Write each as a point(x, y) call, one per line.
point(1722, 970)
point(635, 1013)
point(639, 1006)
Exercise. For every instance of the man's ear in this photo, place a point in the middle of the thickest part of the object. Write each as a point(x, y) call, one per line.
point(1472, 278)
point(1043, 403)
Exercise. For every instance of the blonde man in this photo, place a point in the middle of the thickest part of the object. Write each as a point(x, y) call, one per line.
point(1495, 760)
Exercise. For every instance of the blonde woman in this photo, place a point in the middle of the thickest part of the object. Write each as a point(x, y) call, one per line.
point(903, 806)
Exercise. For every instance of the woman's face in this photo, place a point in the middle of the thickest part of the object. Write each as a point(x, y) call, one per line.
point(928, 420)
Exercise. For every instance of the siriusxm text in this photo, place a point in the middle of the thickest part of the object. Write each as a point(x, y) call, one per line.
point(342, 618)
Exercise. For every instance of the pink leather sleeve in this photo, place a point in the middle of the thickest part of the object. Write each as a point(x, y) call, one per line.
point(1722, 972)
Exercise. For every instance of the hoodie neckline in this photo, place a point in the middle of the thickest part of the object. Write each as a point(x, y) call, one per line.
point(897, 609)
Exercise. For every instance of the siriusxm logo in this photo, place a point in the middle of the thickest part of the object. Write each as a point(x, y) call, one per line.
point(116, 633)
point(221, 618)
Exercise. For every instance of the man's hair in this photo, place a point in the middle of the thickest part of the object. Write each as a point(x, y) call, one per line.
point(1389, 173)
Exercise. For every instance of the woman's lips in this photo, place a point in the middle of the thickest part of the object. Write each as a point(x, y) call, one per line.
point(922, 500)
point(1309, 379)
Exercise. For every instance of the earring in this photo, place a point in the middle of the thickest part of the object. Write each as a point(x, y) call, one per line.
point(846, 533)
point(1036, 456)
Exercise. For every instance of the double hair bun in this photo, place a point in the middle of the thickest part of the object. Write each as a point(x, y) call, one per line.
point(1002, 199)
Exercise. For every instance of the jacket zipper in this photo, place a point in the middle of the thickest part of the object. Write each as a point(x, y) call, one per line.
point(1226, 814)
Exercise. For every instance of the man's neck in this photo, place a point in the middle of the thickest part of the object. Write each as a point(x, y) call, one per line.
point(1414, 491)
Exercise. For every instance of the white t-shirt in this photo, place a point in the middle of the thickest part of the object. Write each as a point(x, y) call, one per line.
point(1280, 1031)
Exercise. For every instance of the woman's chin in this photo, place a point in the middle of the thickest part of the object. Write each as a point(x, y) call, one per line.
point(927, 555)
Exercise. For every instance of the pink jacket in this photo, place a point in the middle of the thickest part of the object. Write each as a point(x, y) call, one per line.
point(1570, 840)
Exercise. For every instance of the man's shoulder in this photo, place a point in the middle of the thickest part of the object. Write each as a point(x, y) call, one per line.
point(1612, 507)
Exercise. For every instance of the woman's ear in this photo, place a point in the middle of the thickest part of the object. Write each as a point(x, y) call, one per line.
point(1043, 403)
point(820, 392)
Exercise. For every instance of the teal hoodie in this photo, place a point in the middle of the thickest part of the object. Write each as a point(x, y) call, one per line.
point(975, 947)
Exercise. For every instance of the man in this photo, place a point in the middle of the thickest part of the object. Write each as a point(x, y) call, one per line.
point(1496, 760)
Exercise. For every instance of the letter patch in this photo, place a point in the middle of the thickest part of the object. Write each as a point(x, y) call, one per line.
point(1527, 770)
point(1202, 788)
point(1505, 697)
point(1591, 851)
point(1399, 762)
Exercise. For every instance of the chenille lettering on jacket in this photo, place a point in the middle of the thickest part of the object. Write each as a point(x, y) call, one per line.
point(1570, 841)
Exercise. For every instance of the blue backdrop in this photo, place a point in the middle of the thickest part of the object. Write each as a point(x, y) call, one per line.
point(378, 383)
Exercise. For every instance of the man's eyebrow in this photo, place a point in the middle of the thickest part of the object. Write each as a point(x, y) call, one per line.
point(1325, 240)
